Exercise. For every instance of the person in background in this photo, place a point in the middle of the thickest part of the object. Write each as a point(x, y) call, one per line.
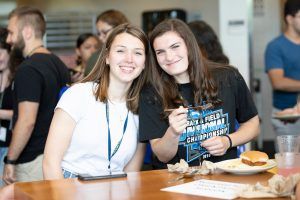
point(5, 98)
point(282, 64)
point(105, 23)
point(35, 94)
point(98, 132)
point(86, 45)
point(180, 82)
point(208, 42)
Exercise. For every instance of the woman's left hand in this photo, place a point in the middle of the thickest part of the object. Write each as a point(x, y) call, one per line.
point(216, 146)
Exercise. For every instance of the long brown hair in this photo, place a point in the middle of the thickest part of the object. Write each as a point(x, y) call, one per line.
point(204, 87)
point(100, 73)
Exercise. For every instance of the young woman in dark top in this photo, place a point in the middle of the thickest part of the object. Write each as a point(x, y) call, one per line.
point(188, 109)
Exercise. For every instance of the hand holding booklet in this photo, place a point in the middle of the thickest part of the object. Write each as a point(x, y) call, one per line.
point(209, 188)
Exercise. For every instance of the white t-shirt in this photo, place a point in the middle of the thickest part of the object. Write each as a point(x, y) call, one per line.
point(88, 149)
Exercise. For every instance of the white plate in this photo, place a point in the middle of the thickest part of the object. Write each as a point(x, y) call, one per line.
point(235, 166)
point(287, 117)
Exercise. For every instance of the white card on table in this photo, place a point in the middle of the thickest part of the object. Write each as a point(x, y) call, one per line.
point(208, 188)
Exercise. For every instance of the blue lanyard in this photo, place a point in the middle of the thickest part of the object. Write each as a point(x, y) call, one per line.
point(109, 137)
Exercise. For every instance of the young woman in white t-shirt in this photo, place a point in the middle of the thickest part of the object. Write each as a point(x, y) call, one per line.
point(95, 125)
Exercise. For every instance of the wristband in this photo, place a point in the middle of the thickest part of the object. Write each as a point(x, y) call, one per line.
point(10, 162)
point(230, 141)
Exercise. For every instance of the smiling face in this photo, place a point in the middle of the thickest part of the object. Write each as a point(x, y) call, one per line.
point(172, 55)
point(87, 48)
point(126, 58)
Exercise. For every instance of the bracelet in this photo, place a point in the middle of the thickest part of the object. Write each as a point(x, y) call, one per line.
point(230, 141)
point(10, 162)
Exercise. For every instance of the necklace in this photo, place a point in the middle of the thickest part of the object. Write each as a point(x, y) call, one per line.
point(32, 51)
point(118, 111)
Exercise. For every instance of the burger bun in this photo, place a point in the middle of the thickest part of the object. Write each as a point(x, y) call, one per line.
point(254, 158)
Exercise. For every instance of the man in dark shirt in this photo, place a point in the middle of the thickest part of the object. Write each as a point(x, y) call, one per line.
point(36, 86)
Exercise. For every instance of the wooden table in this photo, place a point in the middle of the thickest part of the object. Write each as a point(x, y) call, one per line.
point(140, 185)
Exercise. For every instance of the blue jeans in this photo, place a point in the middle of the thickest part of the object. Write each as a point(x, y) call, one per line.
point(68, 174)
point(3, 152)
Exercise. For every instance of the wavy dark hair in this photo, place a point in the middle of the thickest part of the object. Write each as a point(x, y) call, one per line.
point(100, 73)
point(208, 42)
point(204, 86)
point(291, 7)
